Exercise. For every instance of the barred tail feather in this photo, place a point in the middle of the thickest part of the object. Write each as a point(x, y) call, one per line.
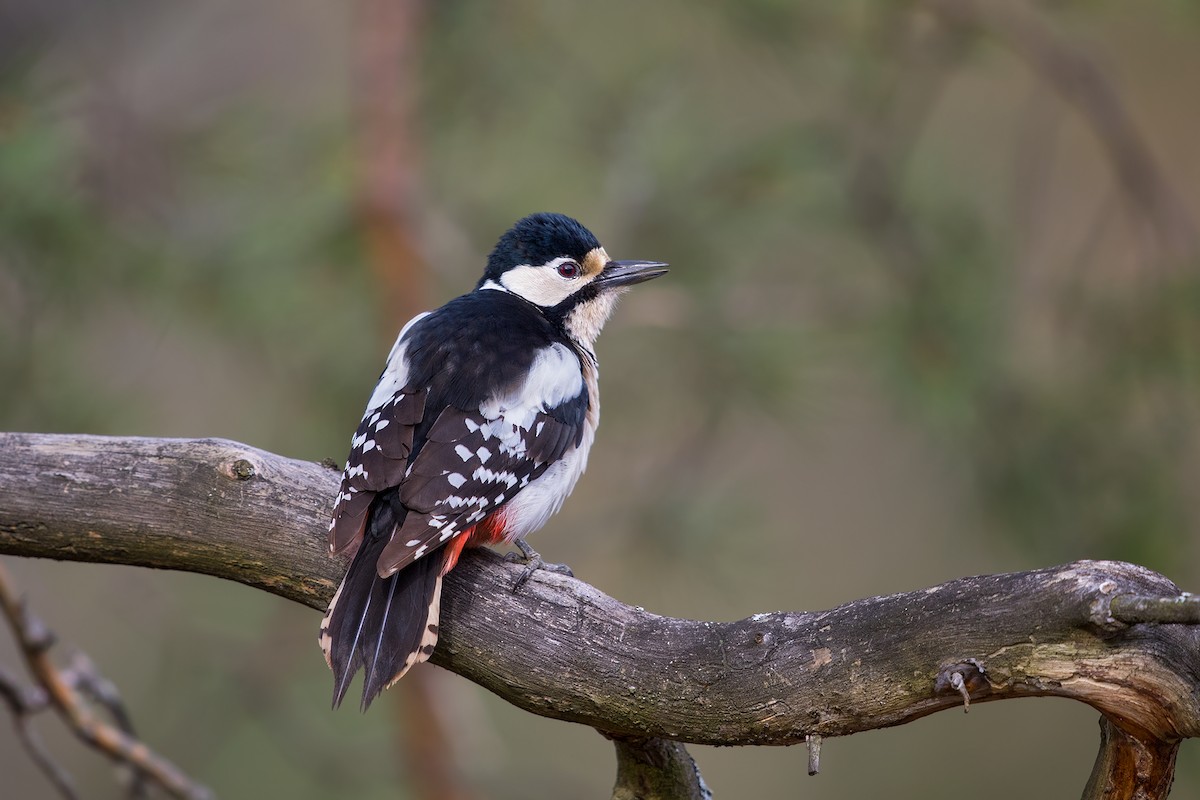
point(382, 625)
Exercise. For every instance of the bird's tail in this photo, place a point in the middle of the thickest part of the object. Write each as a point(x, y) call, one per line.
point(383, 625)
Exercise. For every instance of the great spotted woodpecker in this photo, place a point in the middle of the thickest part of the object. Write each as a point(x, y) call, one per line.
point(477, 431)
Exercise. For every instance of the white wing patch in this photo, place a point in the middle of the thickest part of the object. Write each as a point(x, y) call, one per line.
point(555, 376)
point(377, 458)
point(395, 373)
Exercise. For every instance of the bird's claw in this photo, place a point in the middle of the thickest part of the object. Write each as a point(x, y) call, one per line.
point(533, 562)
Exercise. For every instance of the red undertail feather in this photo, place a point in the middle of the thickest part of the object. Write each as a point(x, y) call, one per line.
point(490, 531)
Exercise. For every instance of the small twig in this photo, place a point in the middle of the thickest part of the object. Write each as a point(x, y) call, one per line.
point(813, 742)
point(962, 678)
point(24, 703)
point(100, 690)
point(1134, 609)
point(18, 700)
point(65, 691)
point(87, 679)
point(957, 682)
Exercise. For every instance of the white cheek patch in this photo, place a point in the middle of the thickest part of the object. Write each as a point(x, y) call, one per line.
point(542, 285)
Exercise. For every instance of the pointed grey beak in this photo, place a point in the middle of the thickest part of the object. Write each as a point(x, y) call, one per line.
point(627, 273)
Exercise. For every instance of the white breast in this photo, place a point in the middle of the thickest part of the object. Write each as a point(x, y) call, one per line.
point(543, 497)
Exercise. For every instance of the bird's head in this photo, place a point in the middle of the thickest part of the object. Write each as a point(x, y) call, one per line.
point(555, 263)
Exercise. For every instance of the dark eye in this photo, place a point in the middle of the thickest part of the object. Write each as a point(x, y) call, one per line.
point(568, 269)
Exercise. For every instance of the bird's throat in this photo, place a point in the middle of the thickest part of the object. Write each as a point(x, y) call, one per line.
point(584, 322)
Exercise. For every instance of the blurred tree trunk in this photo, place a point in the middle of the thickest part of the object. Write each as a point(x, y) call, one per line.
point(386, 70)
point(385, 80)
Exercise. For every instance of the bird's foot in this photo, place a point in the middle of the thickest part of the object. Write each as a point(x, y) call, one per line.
point(533, 562)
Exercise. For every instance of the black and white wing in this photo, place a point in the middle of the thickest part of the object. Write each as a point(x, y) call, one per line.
point(381, 446)
point(475, 463)
point(459, 439)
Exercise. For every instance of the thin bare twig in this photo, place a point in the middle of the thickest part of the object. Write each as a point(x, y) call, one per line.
point(66, 691)
point(84, 676)
point(1133, 609)
point(24, 704)
point(813, 742)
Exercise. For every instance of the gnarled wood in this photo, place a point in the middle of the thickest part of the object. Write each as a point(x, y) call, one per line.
point(656, 769)
point(236, 512)
point(1129, 768)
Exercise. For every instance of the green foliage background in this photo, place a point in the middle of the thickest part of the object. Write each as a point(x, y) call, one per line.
point(915, 328)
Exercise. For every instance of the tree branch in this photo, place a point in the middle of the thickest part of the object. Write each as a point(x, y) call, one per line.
point(1128, 767)
point(656, 769)
point(23, 704)
point(63, 690)
point(229, 510)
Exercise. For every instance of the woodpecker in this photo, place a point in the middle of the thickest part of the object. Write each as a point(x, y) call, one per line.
point(475, 434)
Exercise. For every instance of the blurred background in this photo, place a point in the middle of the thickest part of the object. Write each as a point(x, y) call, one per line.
point(934, 310)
